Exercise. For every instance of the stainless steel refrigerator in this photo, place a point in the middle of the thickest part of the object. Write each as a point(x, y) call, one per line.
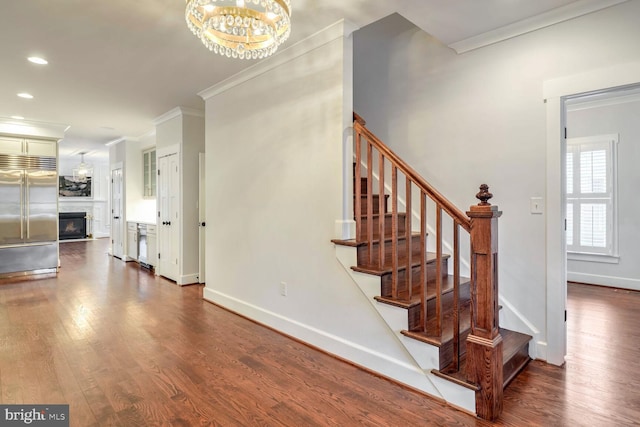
point(28, 214)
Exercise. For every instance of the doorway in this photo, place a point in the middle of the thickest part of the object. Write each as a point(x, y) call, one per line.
point(117, 214)
point(602, 156)
point(555, 91)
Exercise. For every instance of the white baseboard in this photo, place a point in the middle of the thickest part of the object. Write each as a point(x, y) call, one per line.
point(610, 281)
point(368, 358)
point(541, 350)
point(187, 279)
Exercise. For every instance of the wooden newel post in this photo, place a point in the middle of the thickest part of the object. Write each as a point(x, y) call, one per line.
point(484, 343)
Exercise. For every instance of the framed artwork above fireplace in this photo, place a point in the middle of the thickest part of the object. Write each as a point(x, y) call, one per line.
point(71, 187)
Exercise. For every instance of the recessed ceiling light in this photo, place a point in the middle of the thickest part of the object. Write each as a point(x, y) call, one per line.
point(38, 60)
point(17, 117)
point(25, 95)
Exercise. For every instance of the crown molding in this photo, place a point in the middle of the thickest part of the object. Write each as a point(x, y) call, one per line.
point(114, 142)
point(177, 112)
point(340, 29)
point(543, 20)
point(152, 132)
point(122, 139)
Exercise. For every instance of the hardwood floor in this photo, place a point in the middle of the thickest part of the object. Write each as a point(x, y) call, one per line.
point(125, 348)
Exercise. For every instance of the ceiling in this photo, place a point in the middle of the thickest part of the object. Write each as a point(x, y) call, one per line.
point(114, 66)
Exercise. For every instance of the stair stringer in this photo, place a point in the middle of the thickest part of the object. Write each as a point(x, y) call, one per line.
point(425, 356)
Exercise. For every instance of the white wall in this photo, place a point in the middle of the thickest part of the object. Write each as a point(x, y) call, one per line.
point(622, 119)
point(479, 117)
point(274, 155)
point(169, 131)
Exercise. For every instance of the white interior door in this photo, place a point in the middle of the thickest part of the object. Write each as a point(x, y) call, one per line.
point(169, 225)
point(117, 220)
point(201, 217)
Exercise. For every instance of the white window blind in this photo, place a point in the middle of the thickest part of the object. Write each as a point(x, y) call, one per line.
point(590, 172)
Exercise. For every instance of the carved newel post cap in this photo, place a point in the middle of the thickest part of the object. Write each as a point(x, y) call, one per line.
point(484, 195)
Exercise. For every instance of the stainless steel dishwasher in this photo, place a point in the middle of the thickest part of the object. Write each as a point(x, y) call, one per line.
point(142, 245)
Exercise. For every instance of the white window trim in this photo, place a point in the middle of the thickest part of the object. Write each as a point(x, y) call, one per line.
point(611, 257)
point(580, 256)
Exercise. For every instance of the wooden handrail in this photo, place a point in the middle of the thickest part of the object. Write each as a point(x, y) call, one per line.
point(409, 172)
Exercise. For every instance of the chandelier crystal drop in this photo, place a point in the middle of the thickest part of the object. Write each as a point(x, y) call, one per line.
point(244, 29)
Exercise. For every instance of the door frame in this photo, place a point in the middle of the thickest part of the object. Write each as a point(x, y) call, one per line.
point(161, 232)
point(113, 167)
point(202, 215)
point(555, 91)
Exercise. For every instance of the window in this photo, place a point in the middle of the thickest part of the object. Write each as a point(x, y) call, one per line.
point(150, 173)
point(591, 195)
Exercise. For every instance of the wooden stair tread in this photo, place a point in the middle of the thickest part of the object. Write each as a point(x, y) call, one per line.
point(365, 195)
point(402, 265)
point(447, 286)
point(348, 242)
point(447, 328)
point(457, 377)
point(354, 243)
point(515, 353)
point(375, 215)
point(512, 344)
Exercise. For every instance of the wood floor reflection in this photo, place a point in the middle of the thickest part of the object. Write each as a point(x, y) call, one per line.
point(123, 347)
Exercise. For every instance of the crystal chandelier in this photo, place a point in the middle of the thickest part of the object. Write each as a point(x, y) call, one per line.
point(245, 29)
point(82, 171)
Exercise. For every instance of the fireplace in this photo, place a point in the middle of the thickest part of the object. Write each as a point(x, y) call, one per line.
point(72, 225)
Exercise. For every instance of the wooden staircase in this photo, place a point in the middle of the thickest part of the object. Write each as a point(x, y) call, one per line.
point(443, 308)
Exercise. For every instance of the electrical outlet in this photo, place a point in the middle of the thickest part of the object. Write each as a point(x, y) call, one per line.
point(283, 289)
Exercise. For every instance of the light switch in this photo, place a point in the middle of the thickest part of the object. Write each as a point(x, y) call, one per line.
point(537, 206)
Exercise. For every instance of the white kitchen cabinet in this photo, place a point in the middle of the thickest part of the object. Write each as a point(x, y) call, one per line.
point(152, 245)
point(132, 241)
point(32, 147)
